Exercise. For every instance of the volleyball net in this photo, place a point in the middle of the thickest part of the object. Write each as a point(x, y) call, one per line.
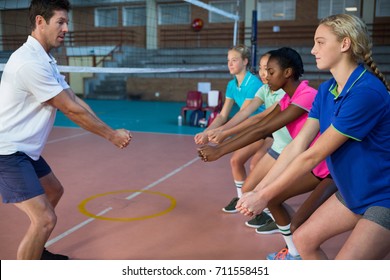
point(141, 48)
point(126, 39)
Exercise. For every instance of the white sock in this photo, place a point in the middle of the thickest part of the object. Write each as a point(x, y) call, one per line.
point(238, 187)
point(287, 235)
point(266, 210)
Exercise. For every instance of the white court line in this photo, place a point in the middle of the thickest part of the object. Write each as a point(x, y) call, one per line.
point(67, 137)
point(73, 229)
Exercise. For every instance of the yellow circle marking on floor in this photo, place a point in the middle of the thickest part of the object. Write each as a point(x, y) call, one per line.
point(83, 210)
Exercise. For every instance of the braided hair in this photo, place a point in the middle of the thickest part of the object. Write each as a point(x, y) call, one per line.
point(344, 25)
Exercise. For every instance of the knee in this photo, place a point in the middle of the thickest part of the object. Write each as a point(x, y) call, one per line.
point(47, 221)
point(51, 222)
point(236, 161)
point(50, 219)
point(301, 241)
point(297, 239)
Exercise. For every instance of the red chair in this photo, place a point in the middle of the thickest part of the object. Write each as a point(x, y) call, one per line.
point(214, 102)
point(194, 102)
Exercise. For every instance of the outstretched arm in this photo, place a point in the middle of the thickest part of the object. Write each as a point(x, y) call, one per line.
point(272, 122)
point(85, 105)
point(244, 113)
point(295, 161)
point(202, 138)
point(80, 113)
point(299, 145)
point(249, 122)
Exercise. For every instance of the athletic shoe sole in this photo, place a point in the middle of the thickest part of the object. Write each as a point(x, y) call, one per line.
point(268, 232)
point(229, 211)
point(254, 226)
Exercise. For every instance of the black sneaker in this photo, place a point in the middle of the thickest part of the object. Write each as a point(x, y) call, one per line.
point(259, 220)
point(269, 228)
point(46, 255)
point(231, 207)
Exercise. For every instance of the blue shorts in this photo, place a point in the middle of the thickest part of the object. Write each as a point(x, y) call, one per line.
point(273, 153)
point(19, 177)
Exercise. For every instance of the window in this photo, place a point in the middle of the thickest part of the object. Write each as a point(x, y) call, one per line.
point(332, 7)
point(106, 17)
point(276, 10)
point(382, 8)
point(134, 16)
point(174, 14)
point(227, 6)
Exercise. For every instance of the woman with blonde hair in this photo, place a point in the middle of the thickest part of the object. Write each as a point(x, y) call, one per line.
point(241, 91)
point(352, 113)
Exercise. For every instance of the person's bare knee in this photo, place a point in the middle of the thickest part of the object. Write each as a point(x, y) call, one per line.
point(236, 161)
point(42, 222)
point(41, 214)
point(49, 221)
point(298, 239)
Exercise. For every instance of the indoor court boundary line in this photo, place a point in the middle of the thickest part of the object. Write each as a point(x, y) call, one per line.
point(177, 170)
point(155, 183)
point(67, 138)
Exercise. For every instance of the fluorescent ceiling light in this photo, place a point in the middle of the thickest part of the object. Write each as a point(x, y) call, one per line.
point(279, 15)
point(351, 9)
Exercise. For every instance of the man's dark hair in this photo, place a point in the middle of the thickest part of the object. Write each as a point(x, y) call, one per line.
point(46, 8)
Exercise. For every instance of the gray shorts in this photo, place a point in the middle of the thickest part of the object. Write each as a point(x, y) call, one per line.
point(377, 214)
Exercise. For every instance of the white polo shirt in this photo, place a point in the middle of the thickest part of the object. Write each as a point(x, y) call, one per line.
point(30, 78)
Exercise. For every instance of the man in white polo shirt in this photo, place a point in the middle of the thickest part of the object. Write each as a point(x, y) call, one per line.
point(31, 91)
